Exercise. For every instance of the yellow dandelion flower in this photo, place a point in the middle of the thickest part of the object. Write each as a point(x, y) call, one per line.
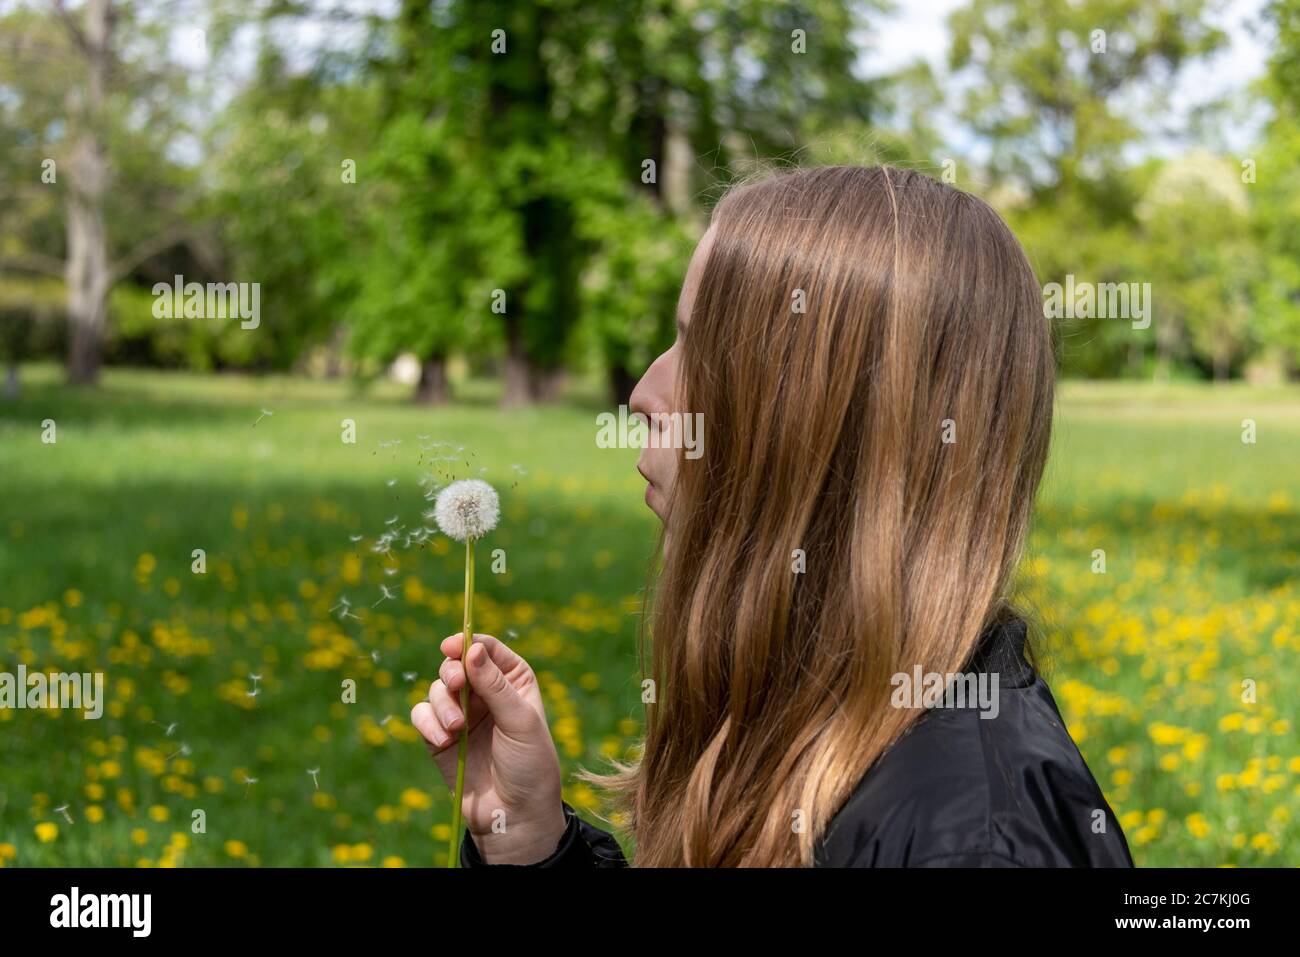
point(416, 799)
point(46, 831)
point(1264, 842)
point(1232, 722)
point(1166, 734)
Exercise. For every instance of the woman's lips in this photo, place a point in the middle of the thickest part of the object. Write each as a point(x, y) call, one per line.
point(649, 483)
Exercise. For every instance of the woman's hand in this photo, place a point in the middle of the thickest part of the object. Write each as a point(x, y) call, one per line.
point(512, 803)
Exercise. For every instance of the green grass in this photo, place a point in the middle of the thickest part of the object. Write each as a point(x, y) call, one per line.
point(97, 531)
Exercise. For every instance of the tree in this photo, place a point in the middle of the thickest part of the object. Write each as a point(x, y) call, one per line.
point(93, 105)
point(559, 134)
point(1045, 78)
point(1043, 87)
point(1203, 262)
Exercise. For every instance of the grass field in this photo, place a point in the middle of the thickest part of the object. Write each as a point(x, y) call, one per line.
point(1149, 661)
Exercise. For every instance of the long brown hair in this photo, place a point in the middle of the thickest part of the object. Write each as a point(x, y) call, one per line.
point(893, 433)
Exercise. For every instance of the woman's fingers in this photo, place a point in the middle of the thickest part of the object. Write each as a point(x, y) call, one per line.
point(505, 657)
point(446, 707)
point(510, 712)
point(430, 728)
point(452, 674)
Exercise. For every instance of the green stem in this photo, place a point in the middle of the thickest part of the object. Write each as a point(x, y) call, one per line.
point(462, 748)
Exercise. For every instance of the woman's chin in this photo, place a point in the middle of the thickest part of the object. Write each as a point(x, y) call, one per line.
point(654, 501)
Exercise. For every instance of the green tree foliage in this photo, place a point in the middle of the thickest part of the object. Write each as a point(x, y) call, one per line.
point(1043, 86)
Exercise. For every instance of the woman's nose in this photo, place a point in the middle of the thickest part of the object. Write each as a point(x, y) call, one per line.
point(650, 396)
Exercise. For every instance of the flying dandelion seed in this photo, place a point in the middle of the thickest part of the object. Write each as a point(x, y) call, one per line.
point(387, 594)
point(64, 811)
point(184, 749)
point(313, 772)
point(387, 718)
point(253, 694)
point(167, 728)
point(255, 679)
point(409, 676)
point(355, 538)
point(248, 784)
point(265, 413)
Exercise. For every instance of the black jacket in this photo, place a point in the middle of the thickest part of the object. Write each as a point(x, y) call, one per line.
point(957, 790)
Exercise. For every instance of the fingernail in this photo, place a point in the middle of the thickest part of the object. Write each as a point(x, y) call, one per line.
point(450, 717)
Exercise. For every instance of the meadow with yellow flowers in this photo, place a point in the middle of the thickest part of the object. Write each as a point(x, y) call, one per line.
point(1161, 577)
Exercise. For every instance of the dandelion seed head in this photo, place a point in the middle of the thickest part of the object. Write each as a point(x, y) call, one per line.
point(467, 509)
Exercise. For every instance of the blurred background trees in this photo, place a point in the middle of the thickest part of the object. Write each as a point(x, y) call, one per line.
point(514, 189)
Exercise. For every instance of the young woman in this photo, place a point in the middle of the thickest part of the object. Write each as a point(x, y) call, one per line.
point(868, 353)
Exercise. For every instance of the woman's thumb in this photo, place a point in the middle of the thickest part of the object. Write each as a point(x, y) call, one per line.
point(509, 711)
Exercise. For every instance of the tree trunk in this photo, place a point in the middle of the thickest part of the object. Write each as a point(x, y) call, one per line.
point(621, 383)
point(1220, 365)
point(87, 270)
point(11, 379)
point(517, 373)
point(432, 388)
point(547, 384)
point(334, 353)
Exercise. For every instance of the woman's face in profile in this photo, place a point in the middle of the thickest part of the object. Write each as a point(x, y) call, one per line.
point(655, 396)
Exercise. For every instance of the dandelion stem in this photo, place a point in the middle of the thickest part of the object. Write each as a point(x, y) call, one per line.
point(467, 639)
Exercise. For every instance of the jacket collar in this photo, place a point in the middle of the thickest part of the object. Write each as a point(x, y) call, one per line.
point(1001, 651)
